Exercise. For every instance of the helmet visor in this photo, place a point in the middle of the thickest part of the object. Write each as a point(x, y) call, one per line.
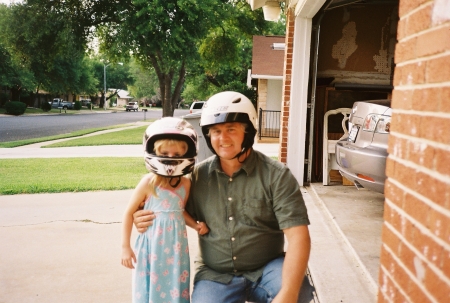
point(224, 118)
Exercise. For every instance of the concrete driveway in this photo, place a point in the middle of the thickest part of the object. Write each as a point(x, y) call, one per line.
point(65, 247)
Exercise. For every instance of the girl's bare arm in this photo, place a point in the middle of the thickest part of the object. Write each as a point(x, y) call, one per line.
point(138, 196)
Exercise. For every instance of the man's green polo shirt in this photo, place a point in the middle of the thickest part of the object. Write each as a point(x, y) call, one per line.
point(245, 213)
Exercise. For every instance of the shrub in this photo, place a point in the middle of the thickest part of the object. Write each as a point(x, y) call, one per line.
point(46, 107)
point(77, 105)
point(15, 108)
point(90, 105)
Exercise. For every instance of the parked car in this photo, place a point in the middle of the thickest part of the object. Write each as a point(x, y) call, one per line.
point(196, 106)
point(57, 103)
point(361, 156)
point(132, 106)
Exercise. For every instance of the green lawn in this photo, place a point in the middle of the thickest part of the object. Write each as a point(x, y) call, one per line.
point(118, 137)
point(31, 176)
point(123, 137)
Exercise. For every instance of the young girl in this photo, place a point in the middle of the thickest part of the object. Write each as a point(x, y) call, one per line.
point(161, 257)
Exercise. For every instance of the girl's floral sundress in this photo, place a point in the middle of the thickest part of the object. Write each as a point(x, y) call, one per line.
point(161, 273)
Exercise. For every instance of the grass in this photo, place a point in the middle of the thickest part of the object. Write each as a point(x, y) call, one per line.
point(31, 176)
point(51, 138)
point(124, 137)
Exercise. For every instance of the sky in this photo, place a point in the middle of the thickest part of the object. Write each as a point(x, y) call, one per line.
point(9, 1)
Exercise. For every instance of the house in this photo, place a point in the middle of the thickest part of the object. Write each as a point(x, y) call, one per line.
point(123, 98)
point(339, 51)
point(267, 72)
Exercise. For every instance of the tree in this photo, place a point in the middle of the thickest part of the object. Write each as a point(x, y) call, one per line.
point(42, 43)
point(117, 76)
point(162, 36)
point(226, 52)
point(13, 74)
point(145, 83)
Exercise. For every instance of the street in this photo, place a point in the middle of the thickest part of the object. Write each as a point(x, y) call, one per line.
point(14, 128)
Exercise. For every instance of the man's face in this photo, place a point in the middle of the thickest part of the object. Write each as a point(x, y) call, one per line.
point(227, 138)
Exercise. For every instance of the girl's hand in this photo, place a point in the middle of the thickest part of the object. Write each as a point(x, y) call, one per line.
point(202, 228)
point(128, 257)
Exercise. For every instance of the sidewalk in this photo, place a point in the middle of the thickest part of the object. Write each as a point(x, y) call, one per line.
point(65, 247)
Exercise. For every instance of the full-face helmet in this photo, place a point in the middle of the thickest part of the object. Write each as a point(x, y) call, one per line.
point(170, 128)
point(229, 107)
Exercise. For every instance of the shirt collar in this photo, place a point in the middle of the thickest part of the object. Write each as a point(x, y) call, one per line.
point(248, 166)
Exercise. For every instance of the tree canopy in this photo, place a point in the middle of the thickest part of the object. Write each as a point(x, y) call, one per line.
point(200, 47)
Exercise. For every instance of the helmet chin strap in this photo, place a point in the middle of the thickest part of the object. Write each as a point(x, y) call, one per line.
point(178, 180)
point(243, 151)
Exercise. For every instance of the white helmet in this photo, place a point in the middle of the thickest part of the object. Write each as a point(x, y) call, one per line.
point(170, 128)
point(229, 107)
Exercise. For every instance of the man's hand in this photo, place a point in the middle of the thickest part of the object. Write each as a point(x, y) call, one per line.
point(202, 229)
point(142, 219)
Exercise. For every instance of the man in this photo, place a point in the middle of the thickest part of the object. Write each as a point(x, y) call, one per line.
point(249, 202)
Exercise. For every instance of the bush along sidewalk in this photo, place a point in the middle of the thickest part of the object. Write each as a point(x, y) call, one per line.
point(15, 108)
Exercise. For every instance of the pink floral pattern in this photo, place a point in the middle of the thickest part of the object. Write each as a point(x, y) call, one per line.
point(162, 273)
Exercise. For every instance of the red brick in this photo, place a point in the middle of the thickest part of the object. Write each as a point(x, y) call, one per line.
point(431, 188)
point(433, 42)
point(401, 277)
point(387, 261)
point(426, 99)
point(445, 263)
point(395, 194)
point(427, 246)
point(442, 158)
point(435, 129)
point(416, 294)
point(402, 99)
point(397, 122)
point(399, 297)
point(407, 6)
point(407, 176)
point(387, 213)
point(407, 256)
point(407, 124)
point(391, 240)
point(409, 231)
point(413, 73)
point(416, 209)
point(398, 74)
point(444, 104)
point(421, 154)
point(419, 20)
point(438, 70)
point(397, 146)
point(390, 168)
point(405, 50)
point(438, 223)
point(439, 289)
point(387, 289)
point(401, 33)
point(394, 219)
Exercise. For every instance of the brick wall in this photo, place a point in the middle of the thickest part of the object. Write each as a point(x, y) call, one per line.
point(415, 253)
point(286, 92)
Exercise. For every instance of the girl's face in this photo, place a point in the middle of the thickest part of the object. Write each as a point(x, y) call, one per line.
point(172, 150)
